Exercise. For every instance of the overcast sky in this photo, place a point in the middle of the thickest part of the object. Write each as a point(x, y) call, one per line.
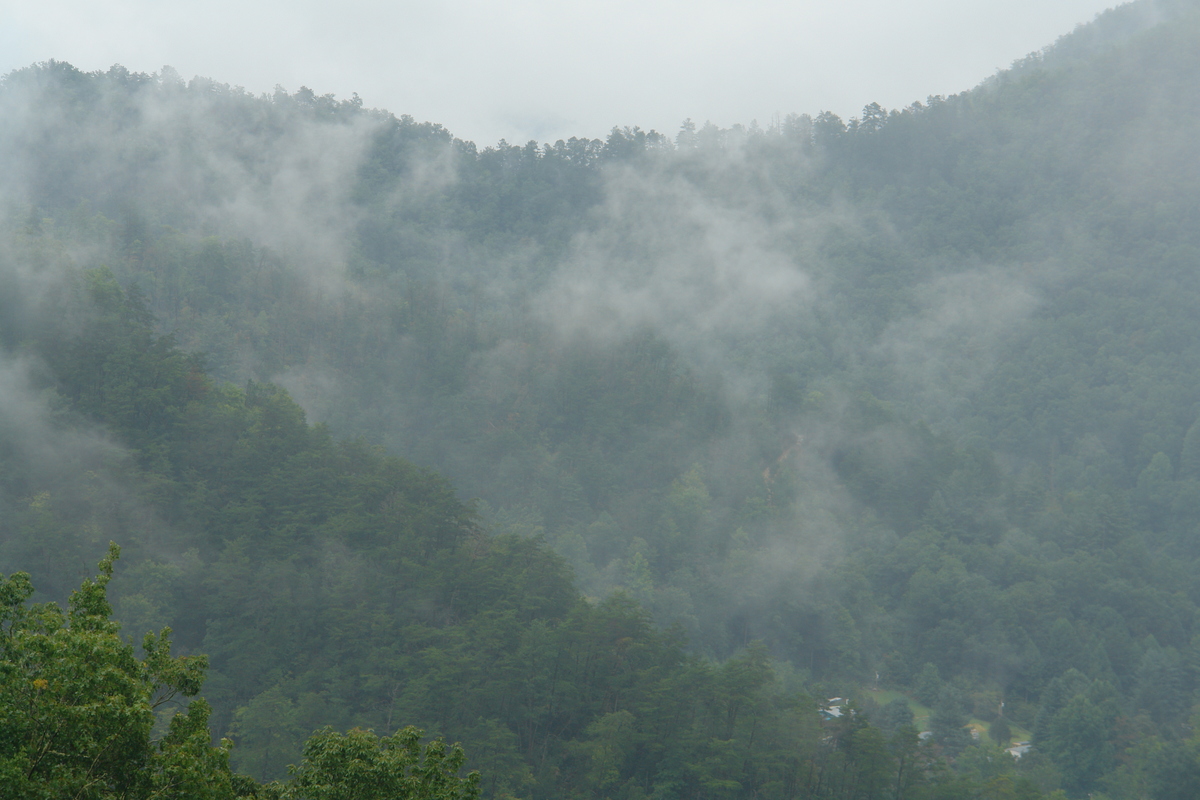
point(535, 69)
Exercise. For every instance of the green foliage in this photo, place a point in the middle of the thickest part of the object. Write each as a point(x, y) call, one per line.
point(359, 765)
point(927, 685)
point(965, 462)
point(78, 706)
point(1076, 728)
point(948, 721)
point(1000, 732)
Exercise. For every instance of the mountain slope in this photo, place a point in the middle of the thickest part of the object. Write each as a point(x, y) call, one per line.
point(910, 396)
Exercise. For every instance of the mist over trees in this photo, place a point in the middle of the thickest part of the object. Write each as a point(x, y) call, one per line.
point(614, 460)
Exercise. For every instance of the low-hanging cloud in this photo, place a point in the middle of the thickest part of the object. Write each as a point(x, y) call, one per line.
point(942, 351)
point(277, 171)
point(28, 430)
point(663, 252)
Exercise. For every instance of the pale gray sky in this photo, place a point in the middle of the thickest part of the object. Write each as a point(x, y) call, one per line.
point(545, 70)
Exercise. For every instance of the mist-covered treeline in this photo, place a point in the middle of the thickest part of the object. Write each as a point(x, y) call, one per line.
point(901, 404)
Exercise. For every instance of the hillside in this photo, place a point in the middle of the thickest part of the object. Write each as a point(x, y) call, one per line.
point(909, 400)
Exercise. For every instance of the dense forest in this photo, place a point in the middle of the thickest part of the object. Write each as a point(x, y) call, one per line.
point(615, 460)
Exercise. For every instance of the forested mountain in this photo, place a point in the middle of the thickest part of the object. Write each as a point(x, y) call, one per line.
point(904, 409)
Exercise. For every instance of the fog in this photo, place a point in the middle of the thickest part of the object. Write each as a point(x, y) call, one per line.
point(713, 246)
point(727, 343)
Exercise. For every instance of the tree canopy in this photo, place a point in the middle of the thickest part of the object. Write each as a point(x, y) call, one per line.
point(629, 453)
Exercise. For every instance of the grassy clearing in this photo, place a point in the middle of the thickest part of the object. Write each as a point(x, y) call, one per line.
point(921, 715)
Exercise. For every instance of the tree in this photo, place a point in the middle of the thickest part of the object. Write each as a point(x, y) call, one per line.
point(948, 720)
point(1189, 457)
point(874, 117)
point(827, 127)
point(1079, 736)
point(77, 707)
point(1000, 732)
point(1154, 491)
point(927, 685)
point(359, 765)
point(77, 711)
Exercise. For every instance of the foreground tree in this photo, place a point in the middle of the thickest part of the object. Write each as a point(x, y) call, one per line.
point(362, 766)
point(77, 707)
point(77, 720)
